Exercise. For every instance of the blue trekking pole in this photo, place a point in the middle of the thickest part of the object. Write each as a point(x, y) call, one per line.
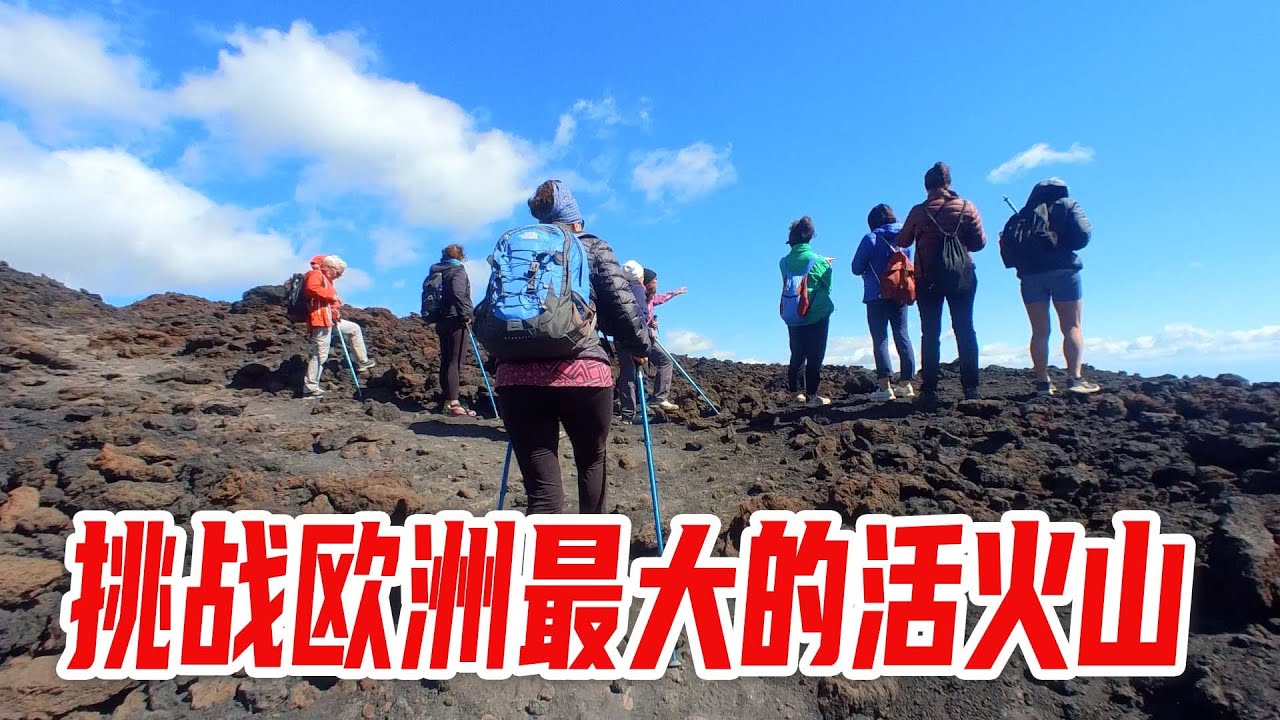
point(351, 365)
point(653, 487)
point(686, 377)
point(648, 449)
point(487, 386)
point(506, 468)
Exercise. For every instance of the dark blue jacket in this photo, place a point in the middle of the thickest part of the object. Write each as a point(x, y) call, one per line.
point(1067, 220)
point(873, 256)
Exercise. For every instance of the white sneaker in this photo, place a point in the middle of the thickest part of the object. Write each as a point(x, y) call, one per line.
point(800, 398)
point(882, 394)
point(668, 405)
point(819, 401)
point(906, 391)
point(1083, 387)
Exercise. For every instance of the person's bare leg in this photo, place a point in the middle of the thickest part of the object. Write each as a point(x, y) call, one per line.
point(1038, 314)
point(1069, 314)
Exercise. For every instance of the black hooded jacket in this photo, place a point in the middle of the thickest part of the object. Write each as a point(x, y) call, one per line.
point(1067, 220)
point(455, 291)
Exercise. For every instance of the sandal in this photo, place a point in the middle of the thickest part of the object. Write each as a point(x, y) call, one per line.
point(459, 411)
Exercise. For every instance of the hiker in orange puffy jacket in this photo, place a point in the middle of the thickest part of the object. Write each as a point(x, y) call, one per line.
point(324, 302)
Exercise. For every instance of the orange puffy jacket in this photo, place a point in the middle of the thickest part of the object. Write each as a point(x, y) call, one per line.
point(321, 296)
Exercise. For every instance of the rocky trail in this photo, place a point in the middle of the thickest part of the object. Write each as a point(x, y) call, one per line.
point(182, 404)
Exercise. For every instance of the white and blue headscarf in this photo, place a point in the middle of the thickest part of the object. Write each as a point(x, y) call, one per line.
point(564, 209)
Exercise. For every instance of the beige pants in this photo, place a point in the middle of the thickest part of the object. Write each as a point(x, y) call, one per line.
point(320, 341)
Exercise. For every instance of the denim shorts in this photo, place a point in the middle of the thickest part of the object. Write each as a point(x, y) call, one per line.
point(1058, 285)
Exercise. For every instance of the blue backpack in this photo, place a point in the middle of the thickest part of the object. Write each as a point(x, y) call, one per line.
point(538, 303)
point(794, 306)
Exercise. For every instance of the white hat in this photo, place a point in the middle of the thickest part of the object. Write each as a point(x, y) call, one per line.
point(634, 270)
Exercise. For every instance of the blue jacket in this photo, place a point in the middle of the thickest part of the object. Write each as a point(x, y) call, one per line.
point(873, 256)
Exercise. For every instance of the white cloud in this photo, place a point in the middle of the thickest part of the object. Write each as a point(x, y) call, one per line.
point(565, 130)
point(299, 94)
point(393, 248)
point(103, 220)
point(688, 342)
point(685, 174)
point(399, 284)
point(63, 68)
point(1037, 155)
point(478, 271)
point(1179, 339)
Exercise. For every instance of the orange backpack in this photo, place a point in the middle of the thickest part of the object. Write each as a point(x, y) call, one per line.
point(898, 281)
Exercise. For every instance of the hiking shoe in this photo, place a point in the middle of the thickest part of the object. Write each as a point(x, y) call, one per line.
point(1083, 387)
point(882, 394)
point(801, 398)
point(367, 365)
point(668, 405)
point(819, 401)
point(1045, 388)
point(906, 391)
point(313, 395)
point(972, 394)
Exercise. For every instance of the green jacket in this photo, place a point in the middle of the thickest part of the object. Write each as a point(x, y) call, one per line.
point(820, 305)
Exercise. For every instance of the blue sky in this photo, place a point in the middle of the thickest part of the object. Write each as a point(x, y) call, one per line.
point(209, 148)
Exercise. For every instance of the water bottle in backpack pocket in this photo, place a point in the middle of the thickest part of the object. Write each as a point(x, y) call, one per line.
point(538, 303)
point(794, 306)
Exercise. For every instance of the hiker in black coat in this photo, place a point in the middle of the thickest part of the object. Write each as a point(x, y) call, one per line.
point(456, 314)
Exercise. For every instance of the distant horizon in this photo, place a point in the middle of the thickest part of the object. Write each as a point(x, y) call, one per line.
point(1056, 368)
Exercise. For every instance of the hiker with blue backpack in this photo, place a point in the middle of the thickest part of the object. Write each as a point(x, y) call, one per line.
point(446, 301)
point(1040, 242)
point(945, 229)
point(888, 288)
point(553, 288)
point(806, 308)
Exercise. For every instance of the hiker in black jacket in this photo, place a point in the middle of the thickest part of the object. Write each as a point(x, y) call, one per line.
point(456, 314)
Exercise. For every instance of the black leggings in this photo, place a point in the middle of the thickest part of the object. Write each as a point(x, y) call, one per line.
point(453, 342)
point(532, 416)
point(808, 348)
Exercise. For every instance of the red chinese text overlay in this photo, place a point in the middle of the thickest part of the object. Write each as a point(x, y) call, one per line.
point(559, 597)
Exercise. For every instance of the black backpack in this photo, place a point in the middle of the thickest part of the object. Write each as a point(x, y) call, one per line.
point(433, 297)
point(954, 264)
point(296, 307)
point(1027, 236)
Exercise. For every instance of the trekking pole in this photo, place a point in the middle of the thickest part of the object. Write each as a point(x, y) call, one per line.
point(506, 468)
point(1010, 204)
point(653, 488)
point(648, 449)
point(675, 362)
point(351, 365)
point(484, 373)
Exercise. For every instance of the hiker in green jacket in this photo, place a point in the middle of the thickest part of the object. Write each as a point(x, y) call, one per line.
point(809, 333)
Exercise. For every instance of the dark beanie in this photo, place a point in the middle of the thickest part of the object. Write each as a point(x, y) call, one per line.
point(649, 276)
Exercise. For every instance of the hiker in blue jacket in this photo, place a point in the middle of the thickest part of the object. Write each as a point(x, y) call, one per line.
point(870, 261)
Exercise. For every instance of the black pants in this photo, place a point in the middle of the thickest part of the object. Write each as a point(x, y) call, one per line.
point(808, 348)
point(960, 303)
point(533, 415)
point(453, 345)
